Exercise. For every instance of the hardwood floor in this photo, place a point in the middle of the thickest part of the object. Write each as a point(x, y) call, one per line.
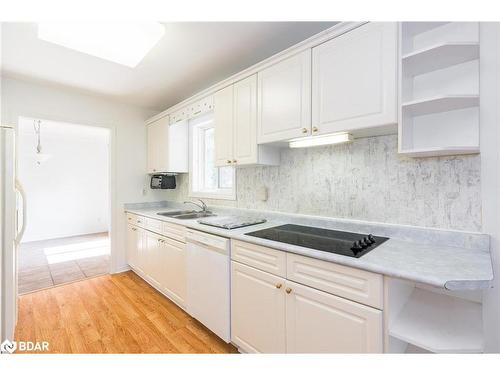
point(117, 313)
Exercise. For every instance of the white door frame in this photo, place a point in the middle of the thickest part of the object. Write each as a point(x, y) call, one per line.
point(112, 203)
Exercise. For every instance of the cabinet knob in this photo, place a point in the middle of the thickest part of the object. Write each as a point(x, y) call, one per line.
point(229, 162)
point(315, 129)
point(288, 290)
point(304, 130)
point(278, 286)
point(234, 161)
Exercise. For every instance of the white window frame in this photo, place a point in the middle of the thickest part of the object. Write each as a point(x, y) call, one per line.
point(202, 123)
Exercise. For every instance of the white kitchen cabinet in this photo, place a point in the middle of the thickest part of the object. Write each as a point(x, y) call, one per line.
point(152, 266)
point(172, 269)
point(157, 139)
point(134, 244)
point(223, 117)
point(167, 146)
point(354, 81)
point(136, 247)
point(284, 99)
point(319, 322)
point(270, 313)
point(245, 121)
point(257, 310)
point(236, 127)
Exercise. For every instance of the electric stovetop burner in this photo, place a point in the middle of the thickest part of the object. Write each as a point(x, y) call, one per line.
point(333, 241)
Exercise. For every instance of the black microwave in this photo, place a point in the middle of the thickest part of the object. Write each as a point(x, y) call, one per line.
point(162, 181)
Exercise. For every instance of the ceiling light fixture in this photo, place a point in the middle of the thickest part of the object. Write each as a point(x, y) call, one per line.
point(40, 157)
point(321, 140)
point(122, 43)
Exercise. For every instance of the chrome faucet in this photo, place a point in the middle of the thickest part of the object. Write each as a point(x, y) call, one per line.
point(203, 206)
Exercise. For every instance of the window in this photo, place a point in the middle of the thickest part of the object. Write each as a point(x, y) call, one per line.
point(207, 180)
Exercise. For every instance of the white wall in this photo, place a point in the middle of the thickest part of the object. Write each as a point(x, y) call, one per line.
point(68, 194)
point(490, 173)
point(128, 141)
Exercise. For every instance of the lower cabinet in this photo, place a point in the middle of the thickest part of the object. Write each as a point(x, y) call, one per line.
point(160, 260)
point(270, 314)
point(257, 310)
point(172, 275)
point(319, 322)
point(132, 245)
point(135, 247)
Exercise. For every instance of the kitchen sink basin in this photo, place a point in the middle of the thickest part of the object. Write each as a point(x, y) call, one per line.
point(176, 213)
point(185, 215)
point(194, 215)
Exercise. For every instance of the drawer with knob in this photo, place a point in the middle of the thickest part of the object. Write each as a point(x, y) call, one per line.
point(260, 257)
point(136, 220)
point(351, 283)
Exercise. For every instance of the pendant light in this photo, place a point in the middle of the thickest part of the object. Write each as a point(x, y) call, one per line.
point(40, 157)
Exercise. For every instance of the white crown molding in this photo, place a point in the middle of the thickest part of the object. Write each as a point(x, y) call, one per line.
point(315, 40)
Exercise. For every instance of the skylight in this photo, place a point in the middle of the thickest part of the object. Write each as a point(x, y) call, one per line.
point(122, 43)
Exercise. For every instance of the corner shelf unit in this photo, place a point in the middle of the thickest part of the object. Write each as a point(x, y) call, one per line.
point(420, 318)
point(439, 56)
point(439, 323)
point(439, 104)
point(439, 88)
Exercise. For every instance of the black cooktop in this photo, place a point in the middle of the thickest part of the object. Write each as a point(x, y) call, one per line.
point(333, 241)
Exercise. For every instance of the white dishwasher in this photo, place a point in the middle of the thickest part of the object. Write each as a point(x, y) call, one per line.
point(208, 281)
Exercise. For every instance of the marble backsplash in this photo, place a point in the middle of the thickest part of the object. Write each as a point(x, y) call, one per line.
point(365, 180)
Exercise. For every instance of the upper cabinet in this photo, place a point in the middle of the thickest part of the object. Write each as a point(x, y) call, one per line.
point(354, 80)
point(223, 117)
point(236, 127)
point(345, 81)
point(167, 146)
point(284, 99)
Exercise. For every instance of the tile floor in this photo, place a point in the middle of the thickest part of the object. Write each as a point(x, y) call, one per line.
point(43, 264)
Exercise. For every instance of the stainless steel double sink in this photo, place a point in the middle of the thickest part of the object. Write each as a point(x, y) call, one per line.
point(186, 214)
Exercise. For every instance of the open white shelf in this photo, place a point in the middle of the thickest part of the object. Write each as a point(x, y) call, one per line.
point(439, 56)
point(410, 29)
point(439, 88)
point(439, 323)
point(440, 151)
point(443, 103)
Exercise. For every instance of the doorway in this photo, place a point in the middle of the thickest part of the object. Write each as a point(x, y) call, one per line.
point(64, 169)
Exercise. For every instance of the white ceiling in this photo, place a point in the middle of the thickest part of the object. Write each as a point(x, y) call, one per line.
point(190, 57)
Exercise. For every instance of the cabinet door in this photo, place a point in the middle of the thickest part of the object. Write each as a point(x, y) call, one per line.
point(141, 247)
point(132, 246)
point(284, 99)
point(318, 322)
point(354, 80)
point(245, 121)
point(257, 310)
point(158, 145)
point(172, 270)
point(152, 266)
point(223, 117)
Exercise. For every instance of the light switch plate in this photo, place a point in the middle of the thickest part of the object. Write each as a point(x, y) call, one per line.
point(262, 194)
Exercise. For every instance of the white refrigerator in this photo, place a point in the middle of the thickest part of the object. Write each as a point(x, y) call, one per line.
point(12, 224)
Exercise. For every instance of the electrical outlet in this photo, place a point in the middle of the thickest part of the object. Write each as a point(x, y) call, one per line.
point(262, 194)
